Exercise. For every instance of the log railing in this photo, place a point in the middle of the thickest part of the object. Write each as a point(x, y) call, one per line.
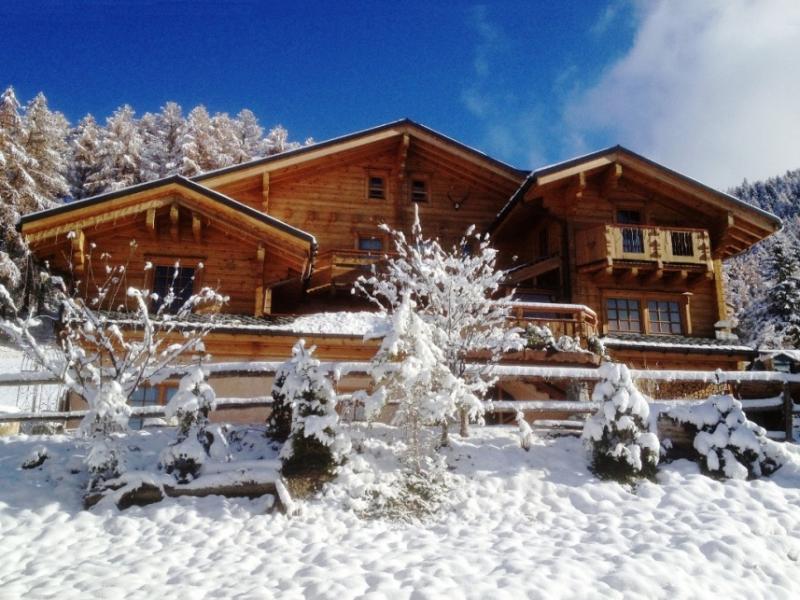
point(573, 320)
point(343, 266)
point(644, 243)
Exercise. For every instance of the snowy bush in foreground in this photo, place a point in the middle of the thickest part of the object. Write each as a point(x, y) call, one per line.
point(315, 443)
point(104, 357)
point(622, 448)
point(279, 422)
point(191, 405)
point(729, 446)
point(526, 436)
point(454, 294)
point(410, 371)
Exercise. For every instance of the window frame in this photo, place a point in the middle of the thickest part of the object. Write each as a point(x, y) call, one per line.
point(426, 180)
point(644, 300)
point(371, 174)
point(372, 235)
point(678, 312)
point(629, 300)
point(188, 262)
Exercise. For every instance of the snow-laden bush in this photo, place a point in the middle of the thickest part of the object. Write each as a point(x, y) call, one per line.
point(105, 357)
point(526, 436)
point(540, 337)
point(728, 445)
point(455, 292)
point(617, 434)
point(279, 422)
point(315, 444)
point(410, 372)
point(190, 406)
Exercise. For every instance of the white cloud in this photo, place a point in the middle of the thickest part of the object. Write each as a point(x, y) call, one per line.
point(709, 88)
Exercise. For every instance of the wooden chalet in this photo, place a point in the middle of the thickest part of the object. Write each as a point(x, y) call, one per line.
point(610, 244)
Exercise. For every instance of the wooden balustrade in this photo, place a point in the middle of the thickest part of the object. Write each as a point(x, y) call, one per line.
point(644, 243)
point(574, 320)
point(342, 267)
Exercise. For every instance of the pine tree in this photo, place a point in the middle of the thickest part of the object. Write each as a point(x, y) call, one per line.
point(315, 445)
point(226, 136)
point(171, 125)
point(198, 143)
point(120, 153)
point(85, 156)
point(783, 296)
point(250, 135)
point(46, 145)
point(279, 422)
point(617, 435)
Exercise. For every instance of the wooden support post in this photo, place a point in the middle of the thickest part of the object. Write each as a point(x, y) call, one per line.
point(150, 222)
point(261, 255)
point(174, 215)
point(197, 228)
point(788, 410)
point(265, 192)
point(78, 252)
point(722, 309)
point(611, 182)
point(687, 312)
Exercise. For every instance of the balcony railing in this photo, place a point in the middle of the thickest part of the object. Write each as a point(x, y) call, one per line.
point(574, 320)
point(644, 243)
point(343, 267)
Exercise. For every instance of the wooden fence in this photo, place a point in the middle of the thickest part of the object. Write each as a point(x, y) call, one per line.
point(783, 402)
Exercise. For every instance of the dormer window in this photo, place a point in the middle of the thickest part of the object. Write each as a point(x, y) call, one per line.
point(419, 190)
point(376, 187)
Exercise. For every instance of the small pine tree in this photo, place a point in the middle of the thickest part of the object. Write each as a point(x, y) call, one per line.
point(315, 445)
point(85, 149)
point(279, 422)
point(617, 435)
point(120, 154)
point(783, 296)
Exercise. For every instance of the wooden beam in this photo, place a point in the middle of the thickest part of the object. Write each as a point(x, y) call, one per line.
point(402, 155)
point(719, 288)
point(78, 251)
point(612, 178)
point(150, 222)
point(174, 215)
point(197, 227)
point(265, 192)
point(261, 255)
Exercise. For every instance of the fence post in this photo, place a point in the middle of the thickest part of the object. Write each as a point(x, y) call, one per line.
point(788, 406)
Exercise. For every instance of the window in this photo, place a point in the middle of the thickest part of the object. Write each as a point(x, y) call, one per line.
point(376, 187)
point(370, 243)
point(143, 396)
point(682, 243)
point(419, 190)
point(179, 280)
point(623, 315)
point(664, 316)
point(629, 217)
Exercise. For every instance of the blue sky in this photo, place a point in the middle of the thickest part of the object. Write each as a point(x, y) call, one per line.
point(528, 82)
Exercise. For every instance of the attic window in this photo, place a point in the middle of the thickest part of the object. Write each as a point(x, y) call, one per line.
point(370, 243)
point(376, 188)
point(419, 190)
point(179, 280)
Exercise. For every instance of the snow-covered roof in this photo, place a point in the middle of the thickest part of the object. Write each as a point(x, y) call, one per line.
point(671, 343)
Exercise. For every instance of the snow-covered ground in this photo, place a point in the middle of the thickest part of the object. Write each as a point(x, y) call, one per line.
point(519, 524)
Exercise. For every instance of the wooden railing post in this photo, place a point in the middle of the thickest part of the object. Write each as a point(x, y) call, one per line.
point(788, 410)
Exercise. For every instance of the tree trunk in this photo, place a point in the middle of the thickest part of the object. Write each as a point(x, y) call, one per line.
point(463, 416)
point(445, 440)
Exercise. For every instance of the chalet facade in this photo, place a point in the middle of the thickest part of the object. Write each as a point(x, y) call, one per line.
point(610, 244)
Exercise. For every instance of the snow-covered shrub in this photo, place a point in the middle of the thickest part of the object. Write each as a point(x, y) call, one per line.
point(35, 458)
point(315, 444)
point(410, 371)
point(455, 293)
point(190, 406)
point(617, 434)
point(105, 357)
point(526, 436)
point(727, 444)
point(539, 337)
point(279, 422)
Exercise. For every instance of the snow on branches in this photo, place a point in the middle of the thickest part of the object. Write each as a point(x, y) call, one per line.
point(315, 443)
point(728, 445)
point(454, 292)
point(617, 434)
point(105, 356)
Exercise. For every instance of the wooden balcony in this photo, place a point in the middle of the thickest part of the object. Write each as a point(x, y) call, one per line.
point(672, 248)
point(574, 320)
point(340, 268)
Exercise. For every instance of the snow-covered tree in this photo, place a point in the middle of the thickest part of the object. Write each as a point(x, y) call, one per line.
point(279, 422)
point(18, 193)
point(100, 362)
point(47, 147)
point(250, 135)
point(199, 143)
point(229, 146)
point(85, 153)
point(728, 445)
point(315, 443)
point(410, 371)
point(277, 141)
point(617, 435)
point(779, 307)
point(120, 154)
point(455, 292)
point(190, 406)
point(164, 148)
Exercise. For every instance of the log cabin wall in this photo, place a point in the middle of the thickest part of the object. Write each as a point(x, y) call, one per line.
point(230, 259)
point(329, 197)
